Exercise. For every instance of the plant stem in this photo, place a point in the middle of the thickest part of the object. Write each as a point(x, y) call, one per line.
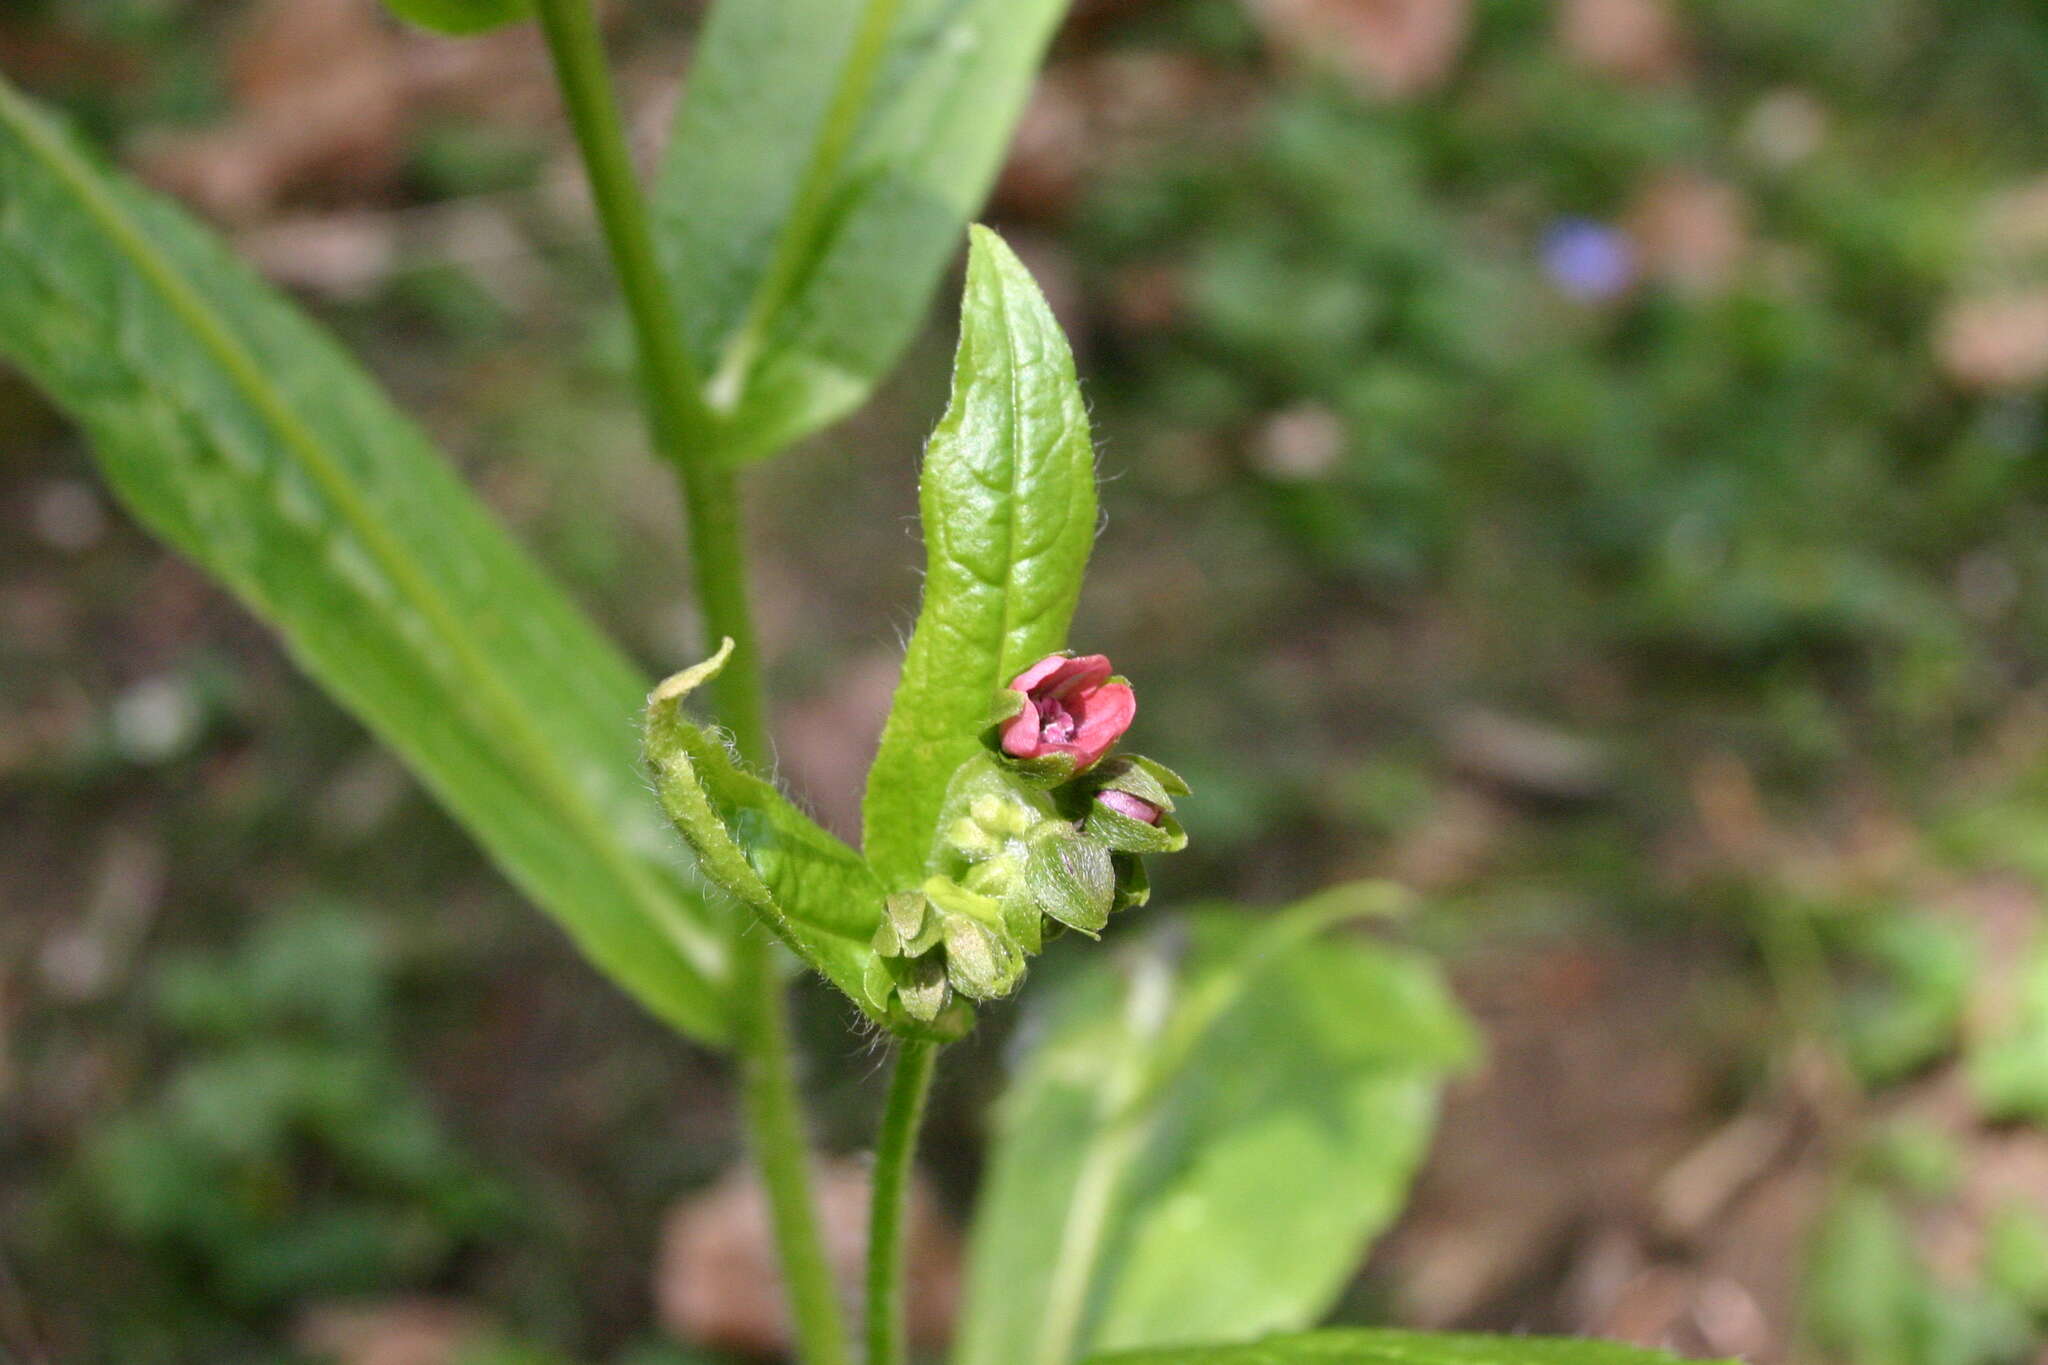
point(687, 435)
point(685, 431)
point(909, 1084)
point(775, 1125)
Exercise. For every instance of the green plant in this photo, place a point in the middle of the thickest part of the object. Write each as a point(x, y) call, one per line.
point(1201, 1172)
point(285, 1154)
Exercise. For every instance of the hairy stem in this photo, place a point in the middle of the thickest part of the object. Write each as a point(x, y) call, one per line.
point(685, 431)
point(687, 435)
point(909, 1084)
point(775, 1126)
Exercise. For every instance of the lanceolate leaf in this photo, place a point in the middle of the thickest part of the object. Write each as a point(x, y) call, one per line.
point(810, 889)
point(243, 435)
point(824, 159)
point(1007, 497)
point(1202, 1149)
point(1369, 1346)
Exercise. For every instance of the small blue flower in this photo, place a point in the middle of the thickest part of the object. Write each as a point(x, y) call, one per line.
point(1588, 260)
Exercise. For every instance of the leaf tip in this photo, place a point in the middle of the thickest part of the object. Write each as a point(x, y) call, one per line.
point(679, 685)
point(989, 256)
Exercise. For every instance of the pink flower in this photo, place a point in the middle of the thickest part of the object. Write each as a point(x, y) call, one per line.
point(1124, 803)
point(1070, 707)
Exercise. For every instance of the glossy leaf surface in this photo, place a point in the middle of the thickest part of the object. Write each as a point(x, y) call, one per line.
point(245, 437)
point(1241, 1122)
point(823, 161)
point(1007, 497)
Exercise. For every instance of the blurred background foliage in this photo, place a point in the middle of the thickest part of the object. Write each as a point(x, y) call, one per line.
point(1578, 458)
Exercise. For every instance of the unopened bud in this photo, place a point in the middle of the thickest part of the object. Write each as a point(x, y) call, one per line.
point(980, 961)
point(922, 986)
point(1126, 804)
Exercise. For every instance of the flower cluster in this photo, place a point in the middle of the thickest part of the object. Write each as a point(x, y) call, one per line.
point(1042, 832)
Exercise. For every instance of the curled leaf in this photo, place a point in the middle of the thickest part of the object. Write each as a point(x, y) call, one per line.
point(814, 892)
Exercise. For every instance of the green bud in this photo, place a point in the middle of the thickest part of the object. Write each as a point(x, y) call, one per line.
point(994, 878)
point(909, 914)
point(972, 840)
point(1153, 784)
point(952, 899)
point(921, 985)
point(981, 962)
point(886, 940)
point(990, 813)
point(1026, 851)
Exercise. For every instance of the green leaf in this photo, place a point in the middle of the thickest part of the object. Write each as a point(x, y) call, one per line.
point(460, 17)
point(805, 231)
point(1007, 496)
point(814, 892)
point(1204, 1149)
point(2008, 1063)
point(1907, 1005)
point(242, 434)
point(1376, 1346)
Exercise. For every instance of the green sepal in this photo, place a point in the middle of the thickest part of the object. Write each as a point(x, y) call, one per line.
point(908, 927)
point(1133, 883)
point(1140, 776)
point(878, 983)
point(1115, 830)
point(1154, 783)
point(981, 960)
point(922, 987)
point(1069, 877)
point(1044, 772)
point(1024, 920)
point(816, 894)
point(1169, 780)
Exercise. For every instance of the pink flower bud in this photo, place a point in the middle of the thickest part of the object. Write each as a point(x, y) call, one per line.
point(1070, 707)
point(1136, 807)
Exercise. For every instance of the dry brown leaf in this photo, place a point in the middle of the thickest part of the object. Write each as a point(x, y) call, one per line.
point(415, 1331)
point(1691, 231)
point(1996, 342)
point(320, 104)
point(1392, 49)
point(1635, 40)
point(716, 1283)
point(1099, 111)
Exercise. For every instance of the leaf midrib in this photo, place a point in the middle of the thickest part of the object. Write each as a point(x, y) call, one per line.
point(215, 337)
point(1014, 425)
point(807, 220)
